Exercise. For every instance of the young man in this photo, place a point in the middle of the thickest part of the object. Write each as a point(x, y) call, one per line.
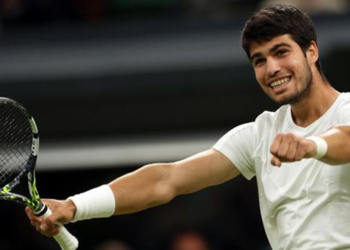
point(300, 154)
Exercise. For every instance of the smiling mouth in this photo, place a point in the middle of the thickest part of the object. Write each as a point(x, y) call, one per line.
point(279, 83)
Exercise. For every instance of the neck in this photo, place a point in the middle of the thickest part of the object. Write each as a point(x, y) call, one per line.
point(311, 108)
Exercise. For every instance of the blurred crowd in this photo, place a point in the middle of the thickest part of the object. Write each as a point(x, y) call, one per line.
point(186, 240)
point(14, 12)
point(183, 240)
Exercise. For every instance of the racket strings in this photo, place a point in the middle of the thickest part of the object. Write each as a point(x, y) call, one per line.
point(15, 142)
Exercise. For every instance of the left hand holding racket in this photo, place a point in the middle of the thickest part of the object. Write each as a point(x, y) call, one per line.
point(62, 213)
point(19, 148)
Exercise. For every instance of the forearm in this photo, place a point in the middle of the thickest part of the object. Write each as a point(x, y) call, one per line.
point(338, 140)
point(157, 184)
point(153, 185)
point(147, 187)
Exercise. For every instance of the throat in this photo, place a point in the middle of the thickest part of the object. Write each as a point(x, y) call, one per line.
point(304, 121)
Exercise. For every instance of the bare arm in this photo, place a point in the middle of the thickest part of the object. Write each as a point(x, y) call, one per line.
point(149, 186)
point(157, 184)
point(338, 140)
point(290, 147)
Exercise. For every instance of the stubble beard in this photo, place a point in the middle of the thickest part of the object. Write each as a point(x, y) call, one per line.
point(300, 94)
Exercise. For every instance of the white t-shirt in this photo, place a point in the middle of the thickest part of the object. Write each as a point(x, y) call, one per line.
point(304, 205)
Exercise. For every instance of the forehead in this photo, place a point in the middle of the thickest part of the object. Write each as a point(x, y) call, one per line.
point(264, 46)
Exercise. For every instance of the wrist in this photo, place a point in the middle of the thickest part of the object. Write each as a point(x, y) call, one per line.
point(71, 208)
point(321, 146)
point(95, 203)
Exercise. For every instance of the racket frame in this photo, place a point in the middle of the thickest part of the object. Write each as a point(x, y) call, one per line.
point(66, 240)
point(34, 201)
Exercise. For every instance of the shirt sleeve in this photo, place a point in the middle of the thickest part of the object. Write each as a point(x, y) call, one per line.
point(238, 146)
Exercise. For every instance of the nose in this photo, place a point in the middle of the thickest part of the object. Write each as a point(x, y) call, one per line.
point(273, 67)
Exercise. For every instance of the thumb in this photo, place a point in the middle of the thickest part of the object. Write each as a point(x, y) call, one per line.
point(50, 220)
point(49, 228)
point(276, 161)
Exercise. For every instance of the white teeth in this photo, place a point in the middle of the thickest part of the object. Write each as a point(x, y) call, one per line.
point(279, 83)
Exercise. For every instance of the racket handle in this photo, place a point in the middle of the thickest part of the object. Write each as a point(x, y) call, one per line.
point(64, 238)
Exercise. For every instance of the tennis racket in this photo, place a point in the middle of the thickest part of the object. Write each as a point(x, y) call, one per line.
point(19, 147)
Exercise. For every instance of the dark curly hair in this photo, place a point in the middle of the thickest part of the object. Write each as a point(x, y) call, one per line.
point(275, 20)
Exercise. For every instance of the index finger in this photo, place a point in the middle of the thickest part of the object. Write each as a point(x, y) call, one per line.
point(276, 144)
point(34, 220)
point(32, 217)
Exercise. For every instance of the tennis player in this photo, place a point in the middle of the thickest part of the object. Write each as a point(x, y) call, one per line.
point(300, 154)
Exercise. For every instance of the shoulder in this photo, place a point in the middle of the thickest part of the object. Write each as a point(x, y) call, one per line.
point(343, 102)
point(258, 129)
point(244, 130)
point(344, 106)
point(344, 98)
point(263, 123)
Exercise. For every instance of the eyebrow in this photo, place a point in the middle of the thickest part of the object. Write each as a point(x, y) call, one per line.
point(273, 49)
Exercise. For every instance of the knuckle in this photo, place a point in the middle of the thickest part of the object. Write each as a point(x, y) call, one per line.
point(289, 135)
point(278, 135)
point(273, 150)
point(304, 146)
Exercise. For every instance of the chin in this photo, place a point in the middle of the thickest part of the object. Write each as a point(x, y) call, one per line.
point(289, 100)
point(284, 100)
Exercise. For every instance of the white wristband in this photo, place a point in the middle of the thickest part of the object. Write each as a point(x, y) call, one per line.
point(95, 203)
point(321, 146)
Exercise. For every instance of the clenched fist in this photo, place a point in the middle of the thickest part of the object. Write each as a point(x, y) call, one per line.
point(288, 147)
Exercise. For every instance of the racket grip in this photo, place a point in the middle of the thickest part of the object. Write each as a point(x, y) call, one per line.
point(64, 238)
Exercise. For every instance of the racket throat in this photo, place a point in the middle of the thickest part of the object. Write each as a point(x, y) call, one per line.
point(36, 205)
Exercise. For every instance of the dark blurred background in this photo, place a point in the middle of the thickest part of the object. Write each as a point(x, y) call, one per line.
point(116, 84)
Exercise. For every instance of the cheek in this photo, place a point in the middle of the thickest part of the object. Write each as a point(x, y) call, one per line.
point(293, 64)
point(259, 76)
point(300, 68)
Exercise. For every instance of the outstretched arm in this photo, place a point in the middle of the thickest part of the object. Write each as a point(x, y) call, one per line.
point(290, 147)
point(156, 184)
point(149, 186)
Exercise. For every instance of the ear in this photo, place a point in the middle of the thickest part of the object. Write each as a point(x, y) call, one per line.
point(312, 53)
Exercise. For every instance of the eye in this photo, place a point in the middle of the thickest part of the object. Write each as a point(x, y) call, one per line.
point(281, 52)
point(259, 61)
